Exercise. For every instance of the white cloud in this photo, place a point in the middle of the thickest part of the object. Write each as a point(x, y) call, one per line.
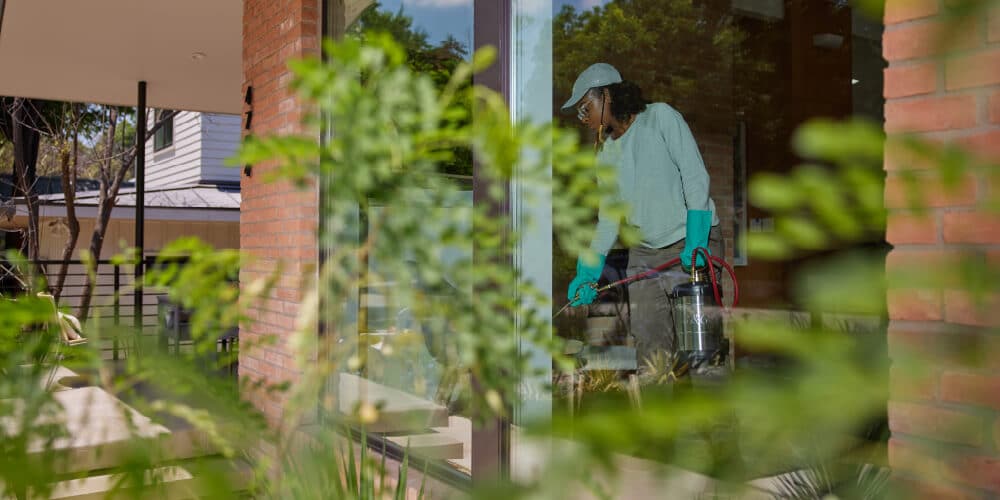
point(535, 7)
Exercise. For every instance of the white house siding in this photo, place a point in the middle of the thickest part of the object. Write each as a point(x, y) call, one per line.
point(219, 140)
point(179, 163)
point(202, 143)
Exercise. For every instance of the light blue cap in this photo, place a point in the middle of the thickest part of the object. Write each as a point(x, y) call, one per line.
point(597, 75)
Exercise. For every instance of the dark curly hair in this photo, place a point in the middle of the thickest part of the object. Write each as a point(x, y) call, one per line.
point(626, 99)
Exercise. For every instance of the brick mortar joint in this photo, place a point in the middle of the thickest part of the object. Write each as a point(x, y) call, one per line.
point(914, 62)
point(962, 133)
point(932, 19)
point(935, 96)
point(934, 327)
point(938, 449)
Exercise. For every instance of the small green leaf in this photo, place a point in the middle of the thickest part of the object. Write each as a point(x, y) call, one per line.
point(774, 192)
point(767, 246)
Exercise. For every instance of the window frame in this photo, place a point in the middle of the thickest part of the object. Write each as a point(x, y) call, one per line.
point(491, 441)
point(163, 138)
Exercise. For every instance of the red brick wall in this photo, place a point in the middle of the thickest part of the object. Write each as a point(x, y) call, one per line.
point(945, 418)
point(717, 152)
point(277, 221)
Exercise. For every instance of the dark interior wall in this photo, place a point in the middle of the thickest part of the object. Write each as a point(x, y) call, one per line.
point(794, 69)
point(767, 65)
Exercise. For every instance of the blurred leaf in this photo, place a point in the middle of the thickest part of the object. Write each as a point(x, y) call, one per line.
point(774, 192)
point(802, 232)
point(767, 246)
point(840, 142)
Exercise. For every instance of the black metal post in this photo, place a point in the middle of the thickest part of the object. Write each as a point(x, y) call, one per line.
point(117, 292)
point(140, 202)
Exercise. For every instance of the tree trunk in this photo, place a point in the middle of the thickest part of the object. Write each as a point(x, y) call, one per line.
point(26, 139)
point(105, 206)
point(111, 181)
point(69, 195)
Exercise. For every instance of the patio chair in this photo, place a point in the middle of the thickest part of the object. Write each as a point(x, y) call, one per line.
point(70, 331)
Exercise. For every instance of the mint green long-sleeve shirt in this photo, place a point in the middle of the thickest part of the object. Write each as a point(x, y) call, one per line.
point(660, 176)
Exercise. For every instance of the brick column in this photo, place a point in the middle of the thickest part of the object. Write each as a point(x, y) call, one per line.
point(277, 221)
point(945, 419)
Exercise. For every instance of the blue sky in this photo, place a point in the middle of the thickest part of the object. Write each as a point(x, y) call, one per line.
point(439, 18)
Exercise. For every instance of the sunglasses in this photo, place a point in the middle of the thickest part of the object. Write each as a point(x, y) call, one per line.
point(583, 108)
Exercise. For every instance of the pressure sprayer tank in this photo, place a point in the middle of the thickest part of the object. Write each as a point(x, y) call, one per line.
point(698, 319)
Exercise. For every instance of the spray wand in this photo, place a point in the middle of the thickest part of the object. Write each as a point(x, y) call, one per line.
point(667, 265)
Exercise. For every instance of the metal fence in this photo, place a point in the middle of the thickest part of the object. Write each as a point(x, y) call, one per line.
point(112, 305)
point(111, 312)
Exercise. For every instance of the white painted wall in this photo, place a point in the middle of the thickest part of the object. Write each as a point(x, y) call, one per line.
point(202, 142)
point(220, 137)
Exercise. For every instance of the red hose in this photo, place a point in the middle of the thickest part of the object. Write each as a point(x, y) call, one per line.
point(711, 271)
point(732, 274)
point(694, 260)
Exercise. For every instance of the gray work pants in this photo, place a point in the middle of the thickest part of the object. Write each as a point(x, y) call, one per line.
point(650, 322)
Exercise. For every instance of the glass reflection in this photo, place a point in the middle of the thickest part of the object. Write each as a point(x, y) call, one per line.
point(744, 75)
point(405, 361)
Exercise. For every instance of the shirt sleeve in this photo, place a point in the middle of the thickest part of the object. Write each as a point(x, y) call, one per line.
point(684, 152)
point(606, 232)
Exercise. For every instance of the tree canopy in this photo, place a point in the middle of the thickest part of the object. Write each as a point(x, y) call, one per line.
point(681, 52)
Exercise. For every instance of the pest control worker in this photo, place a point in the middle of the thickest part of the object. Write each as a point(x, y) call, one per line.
point(662, 179)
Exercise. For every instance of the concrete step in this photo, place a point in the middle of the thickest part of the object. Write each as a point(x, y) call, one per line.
point(101, 430)
point(430, 445)
point(163, 482)
point(399, 412)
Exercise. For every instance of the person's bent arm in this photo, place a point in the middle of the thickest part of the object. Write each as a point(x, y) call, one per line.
point(605, 234)
point(589, 267)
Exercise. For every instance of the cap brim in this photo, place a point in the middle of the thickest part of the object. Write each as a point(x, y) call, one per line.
point(571, 103)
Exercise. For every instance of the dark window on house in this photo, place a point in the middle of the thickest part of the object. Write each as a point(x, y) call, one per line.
point(164, 136)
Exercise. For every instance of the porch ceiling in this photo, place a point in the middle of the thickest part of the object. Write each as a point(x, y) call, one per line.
point(188, 51)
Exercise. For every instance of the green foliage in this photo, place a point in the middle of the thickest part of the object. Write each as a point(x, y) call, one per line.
point(333, 466)
point(29, 412)
point(394, 228)
point(436, 61)
point(205, 280)
point(834, 202)
point(390, 217)
point(439, 62)
point(713, 49)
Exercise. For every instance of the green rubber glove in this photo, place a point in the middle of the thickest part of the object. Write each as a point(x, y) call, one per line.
point(588, 271)
point(699, 223)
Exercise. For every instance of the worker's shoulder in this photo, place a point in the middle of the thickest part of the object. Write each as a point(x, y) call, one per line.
point(663, 111)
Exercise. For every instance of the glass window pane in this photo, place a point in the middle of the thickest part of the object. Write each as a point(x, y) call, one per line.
point(728, 82)
point(164, 136)
point(401, 354)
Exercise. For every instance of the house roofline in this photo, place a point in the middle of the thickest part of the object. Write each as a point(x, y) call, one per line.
point(90, 198)
point(151, 213)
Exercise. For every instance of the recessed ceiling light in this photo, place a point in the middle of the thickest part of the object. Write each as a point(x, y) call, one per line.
point(198, 56)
